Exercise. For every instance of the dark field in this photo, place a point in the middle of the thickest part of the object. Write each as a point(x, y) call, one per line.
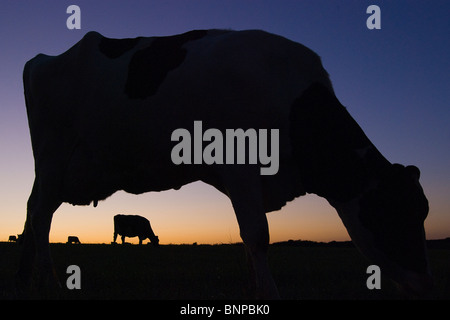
point(213, 272)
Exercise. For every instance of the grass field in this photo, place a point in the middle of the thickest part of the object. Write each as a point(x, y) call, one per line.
point(213, 272)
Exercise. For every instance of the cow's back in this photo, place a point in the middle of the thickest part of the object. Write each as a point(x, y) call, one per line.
point(131, 225)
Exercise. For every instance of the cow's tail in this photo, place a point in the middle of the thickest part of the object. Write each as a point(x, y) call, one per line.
point(31, 77)
point(27, 90)
point(26, 86)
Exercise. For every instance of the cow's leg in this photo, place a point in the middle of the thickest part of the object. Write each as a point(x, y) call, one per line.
point(140, 241)
point(24, 273)
point(246, 198)
point(114, 237)
point(36, 249)
point(255, 234)
point(123, 239)
point(41, 220)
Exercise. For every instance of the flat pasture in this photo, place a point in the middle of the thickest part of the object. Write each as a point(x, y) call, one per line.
point(213, 272)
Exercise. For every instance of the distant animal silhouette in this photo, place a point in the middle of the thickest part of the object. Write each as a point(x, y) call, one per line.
point(18, 239)
point(134, 226)
point(102, 117)
point(73, 239)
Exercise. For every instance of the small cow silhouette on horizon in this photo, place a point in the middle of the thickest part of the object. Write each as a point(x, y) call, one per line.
point(73, 239)
point(18, 239)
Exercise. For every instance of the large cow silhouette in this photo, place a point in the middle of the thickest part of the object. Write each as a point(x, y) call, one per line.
point(102, 114)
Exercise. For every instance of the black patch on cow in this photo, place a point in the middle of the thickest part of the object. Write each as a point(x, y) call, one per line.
point(324, 139)
point(114, 48)
point(149, 66)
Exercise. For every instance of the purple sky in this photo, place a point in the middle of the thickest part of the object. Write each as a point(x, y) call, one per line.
point(395, 82)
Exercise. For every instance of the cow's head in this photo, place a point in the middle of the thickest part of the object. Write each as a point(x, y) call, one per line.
point(154, 240)
point(386, 222)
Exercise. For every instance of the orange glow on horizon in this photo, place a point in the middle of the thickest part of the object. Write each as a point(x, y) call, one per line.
point(199, 213)
point(205, 218)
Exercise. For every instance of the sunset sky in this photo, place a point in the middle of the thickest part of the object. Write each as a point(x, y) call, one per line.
point(394, 81)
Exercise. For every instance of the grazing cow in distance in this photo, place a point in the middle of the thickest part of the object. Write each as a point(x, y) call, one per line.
point(12, 239)
point(134, 226)
point(73, 239)
point(103, 114)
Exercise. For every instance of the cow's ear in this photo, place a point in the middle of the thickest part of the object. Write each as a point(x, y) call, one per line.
point(413, 172)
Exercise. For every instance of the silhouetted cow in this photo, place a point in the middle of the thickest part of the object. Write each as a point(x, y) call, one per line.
point(134, 226)
point(102, 117)
point(12, 239)
point(73, 239)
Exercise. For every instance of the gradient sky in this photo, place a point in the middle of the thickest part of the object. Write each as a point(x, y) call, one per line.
point(395, 82)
